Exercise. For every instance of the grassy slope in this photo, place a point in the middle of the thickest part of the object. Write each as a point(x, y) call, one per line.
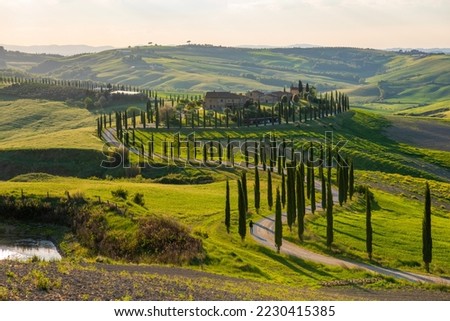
point(378, 80)
point(397, 225)
point(362, 131)
point(220, 68)
point(26, 123)
point(47, 136)
point(410, 85)
point(200, 208)
point(226, 253)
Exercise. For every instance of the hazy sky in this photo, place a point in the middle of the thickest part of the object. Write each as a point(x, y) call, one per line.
point(355, 23)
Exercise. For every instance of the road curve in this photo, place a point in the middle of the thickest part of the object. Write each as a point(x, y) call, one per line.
point(263, 233)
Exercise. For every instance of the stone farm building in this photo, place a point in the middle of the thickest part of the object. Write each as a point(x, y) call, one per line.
point(219, 100)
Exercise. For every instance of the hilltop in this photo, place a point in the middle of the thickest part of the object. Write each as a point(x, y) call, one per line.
point(64, 50)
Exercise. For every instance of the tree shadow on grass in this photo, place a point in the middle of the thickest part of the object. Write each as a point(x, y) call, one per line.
point(295, 264)
point(349, 235)
point(346, 224)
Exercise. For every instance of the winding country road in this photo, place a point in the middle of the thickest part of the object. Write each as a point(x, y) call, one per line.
point(263, 233)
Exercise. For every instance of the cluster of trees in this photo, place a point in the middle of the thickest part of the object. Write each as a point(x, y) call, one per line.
point(79, 93)
point(297, 186)
point(185, 110)
point(81, 84)
point(291, 196)
point(92, 86)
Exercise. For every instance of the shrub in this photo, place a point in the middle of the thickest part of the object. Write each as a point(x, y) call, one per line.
point(181, 179)
point(120, 193)
point(41, 281)
point(139, 199)
point(169, 241)
point(4, 294)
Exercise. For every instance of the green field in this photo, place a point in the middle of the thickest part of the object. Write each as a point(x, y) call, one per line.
point(49, 148)
point(200, 207)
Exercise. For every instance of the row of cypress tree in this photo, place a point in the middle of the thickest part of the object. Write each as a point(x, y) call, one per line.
point(296, 209)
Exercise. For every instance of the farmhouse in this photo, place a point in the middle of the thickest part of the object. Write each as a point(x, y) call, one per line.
point(217, 100)
point(270, 97)
point(256, 95)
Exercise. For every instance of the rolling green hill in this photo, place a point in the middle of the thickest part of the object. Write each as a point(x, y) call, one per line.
point(385, 81)
point(48, 147)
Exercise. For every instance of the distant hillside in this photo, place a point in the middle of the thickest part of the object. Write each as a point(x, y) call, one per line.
point(394, 82)
point(200, 68)
point(64, 50)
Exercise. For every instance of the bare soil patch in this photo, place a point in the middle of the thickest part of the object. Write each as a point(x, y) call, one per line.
point(72, 282)
point(419, 132)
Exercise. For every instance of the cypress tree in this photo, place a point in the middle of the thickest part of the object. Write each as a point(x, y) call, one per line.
point(273, 156)
point(231, 154)
point(340, 176)
point(313, 187)
point(246, 153)
point(329, 211)
point(125, 119)
point(244, 189)
point(351, 181)
point(228, 149)
point(308, 179)
point(227, 208)
point(242, 211)
point(205, 154)
point(269, 190)
point(204, 118)
point(149, 113)
point(99, 128)
point(211, 150)
point(262, 153)
point(427, 247)
point(256, 154)
point(283, 189)
point(345, 178)
point(289, 195)
point(226, 118)
point(257, 190)
point(300, 189)
point(157, 120)
point(279, 163)
point(143, 119)
point(322, 180)
point(278, 222)
point(368, 225)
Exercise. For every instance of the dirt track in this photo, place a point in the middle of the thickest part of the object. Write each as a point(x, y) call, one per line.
point(263, 233)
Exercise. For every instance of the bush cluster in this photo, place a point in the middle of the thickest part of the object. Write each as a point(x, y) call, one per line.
point(154, 239)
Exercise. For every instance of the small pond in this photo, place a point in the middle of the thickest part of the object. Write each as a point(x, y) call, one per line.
point(26, 248)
